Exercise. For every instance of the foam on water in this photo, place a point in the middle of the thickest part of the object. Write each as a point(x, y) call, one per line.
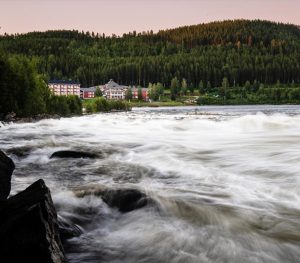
point(226, 181)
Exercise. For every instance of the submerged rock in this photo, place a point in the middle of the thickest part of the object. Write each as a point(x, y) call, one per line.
point(29, 228)
point(22, 151)
point(67, 229)
point(73, 154)
point(11, 116)
point(124, 199)
point(7, 167)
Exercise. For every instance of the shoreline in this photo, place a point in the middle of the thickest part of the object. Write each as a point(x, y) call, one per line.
point(214, 105)
point(37, 118)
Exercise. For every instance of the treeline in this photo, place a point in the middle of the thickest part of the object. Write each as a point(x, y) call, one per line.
point(100, 104)
point(64, 105)
point(25, 92)
point(250, 93)
point(239, 50)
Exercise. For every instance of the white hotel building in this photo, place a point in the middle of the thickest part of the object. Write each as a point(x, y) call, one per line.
point(64, 88)
point(114, 91)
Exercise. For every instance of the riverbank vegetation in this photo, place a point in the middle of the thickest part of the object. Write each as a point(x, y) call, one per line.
point(229, 62)
point(251, 93)
point(100, 104)
point(24, 91)
point(170, 103)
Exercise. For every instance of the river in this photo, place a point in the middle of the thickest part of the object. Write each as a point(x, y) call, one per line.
point(225, 181)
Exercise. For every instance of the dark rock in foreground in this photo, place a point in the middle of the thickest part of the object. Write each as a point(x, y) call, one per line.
point(73, 154)
point(124, 199)
point(7, 167)
point(29, 227)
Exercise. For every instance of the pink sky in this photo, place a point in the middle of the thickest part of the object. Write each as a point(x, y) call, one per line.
point(122, 16)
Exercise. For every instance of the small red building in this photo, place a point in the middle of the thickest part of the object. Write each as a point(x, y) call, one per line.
point(135, 93)
point(87, 93)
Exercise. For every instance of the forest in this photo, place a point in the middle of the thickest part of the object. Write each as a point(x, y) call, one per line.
point(239, 50)
point(25, 92)
point(227, 58)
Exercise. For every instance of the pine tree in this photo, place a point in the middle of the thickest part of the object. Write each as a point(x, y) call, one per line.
point(174, 88)
point(201, 87)
point(98, 92)
point(140, 94)
point(183, 86)
point(128, 94)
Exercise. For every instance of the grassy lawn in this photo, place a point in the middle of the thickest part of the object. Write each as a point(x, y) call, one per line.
point(156, 104)
point(165, 102)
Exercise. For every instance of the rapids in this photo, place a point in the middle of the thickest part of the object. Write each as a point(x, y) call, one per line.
point(225, 181)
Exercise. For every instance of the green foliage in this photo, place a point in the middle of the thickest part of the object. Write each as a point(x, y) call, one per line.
point(98, 92)
point(119, 105)
point(174, 88)
point(208, 86)
point(25, 92)
point(89, 108)
point(154, 91)
point(248, 86)
point(102, 105)
point(249, 94)
point(201, 87)
point(206, 54)
point(239, 50)
point(160, 88)
point(58, 105)
point(64, 105)
point(74, 104)
point(128, 95)
point(22, 90)
point(140, 94)
point(183, 87)
point(192, 88)
point(225, 83)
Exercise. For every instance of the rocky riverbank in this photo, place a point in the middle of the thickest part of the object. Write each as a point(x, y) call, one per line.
point(12, 117)
point(31, 230)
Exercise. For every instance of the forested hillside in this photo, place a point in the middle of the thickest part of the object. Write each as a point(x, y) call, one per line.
point(239, 50)
point(25, 93)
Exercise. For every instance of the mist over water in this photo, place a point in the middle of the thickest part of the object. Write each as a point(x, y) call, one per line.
point(225, 181)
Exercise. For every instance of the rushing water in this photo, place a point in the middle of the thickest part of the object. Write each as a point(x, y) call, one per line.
point(225, 180)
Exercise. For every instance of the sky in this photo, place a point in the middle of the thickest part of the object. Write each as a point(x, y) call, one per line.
point(123, 16)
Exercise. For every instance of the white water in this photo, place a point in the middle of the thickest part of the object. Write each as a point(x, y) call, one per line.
point(226, 181)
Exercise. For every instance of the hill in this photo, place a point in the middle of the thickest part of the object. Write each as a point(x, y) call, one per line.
point(240, 50)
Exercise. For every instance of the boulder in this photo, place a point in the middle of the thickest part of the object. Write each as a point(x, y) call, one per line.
point(11, 116)
point(73, 154)
point(29, 229)
point(22, 151)
point(67, 229)
point(125, 200)
point(7, 167)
